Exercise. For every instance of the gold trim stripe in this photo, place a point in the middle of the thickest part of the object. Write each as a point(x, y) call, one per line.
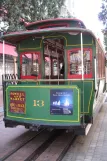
point(66, 121)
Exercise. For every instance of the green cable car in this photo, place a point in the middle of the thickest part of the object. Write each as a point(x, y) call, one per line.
point(61, 78)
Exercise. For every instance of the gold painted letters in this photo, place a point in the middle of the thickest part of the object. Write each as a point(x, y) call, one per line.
point(38, 103)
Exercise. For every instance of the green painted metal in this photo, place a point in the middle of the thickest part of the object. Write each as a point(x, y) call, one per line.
point(83, 89)
point(37, 113)
point(70, 41)
point(87, 95)
point(39, 93)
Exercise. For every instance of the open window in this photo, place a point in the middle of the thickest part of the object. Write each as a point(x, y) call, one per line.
point(30, 65)
point(53, 59)
point(75, 63)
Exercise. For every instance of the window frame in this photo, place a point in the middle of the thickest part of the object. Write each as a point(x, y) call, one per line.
point(78, 76)
point(30, 76)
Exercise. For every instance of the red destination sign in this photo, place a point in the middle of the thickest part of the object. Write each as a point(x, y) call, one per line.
point(17, 102)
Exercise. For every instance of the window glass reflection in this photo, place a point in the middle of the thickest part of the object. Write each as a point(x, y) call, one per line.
point(30, 64)
point(76, 62)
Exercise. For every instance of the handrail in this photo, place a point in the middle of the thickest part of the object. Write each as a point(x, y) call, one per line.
point(41, 80)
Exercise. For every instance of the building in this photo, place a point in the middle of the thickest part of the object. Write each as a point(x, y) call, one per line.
point(10, 59)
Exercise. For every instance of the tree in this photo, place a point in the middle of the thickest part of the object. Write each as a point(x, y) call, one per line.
point(103, 14)
point(10, 13)
point(103, 17)
point(13, 11)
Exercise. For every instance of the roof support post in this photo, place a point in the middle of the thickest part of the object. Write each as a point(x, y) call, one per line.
point(82, 66)
point(82, 57)
point(3, 59)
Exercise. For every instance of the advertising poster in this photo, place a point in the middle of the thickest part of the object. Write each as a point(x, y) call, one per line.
point(61, 102)
point(17, 102)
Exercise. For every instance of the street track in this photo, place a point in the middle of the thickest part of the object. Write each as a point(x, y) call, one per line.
point(50, 146)
point(45, 145)
point(54, 149)
point(63, 153)
point(20, 146)
point(58, 149)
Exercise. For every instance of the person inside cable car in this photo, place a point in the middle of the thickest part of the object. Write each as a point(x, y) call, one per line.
point(62, 69)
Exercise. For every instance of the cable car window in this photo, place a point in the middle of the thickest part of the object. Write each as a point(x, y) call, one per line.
point(55, 67)
point(30, 64)
point(87, 62)
point(47, 66)
point(76, 62)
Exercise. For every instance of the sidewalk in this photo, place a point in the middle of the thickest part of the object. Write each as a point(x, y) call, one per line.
point(1, 111)
point(1, 102)
point(1, 98)
point(92, 147)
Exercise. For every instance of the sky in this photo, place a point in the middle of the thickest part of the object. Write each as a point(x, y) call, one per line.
point(87, 11)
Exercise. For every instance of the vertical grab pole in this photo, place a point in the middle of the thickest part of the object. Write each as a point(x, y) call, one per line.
point(82, 61)
point(3, 60)
point(57, 64)
point(4, 83)
point(49, 62)
point(49, 65)
point(82, 66)
point(95, 65)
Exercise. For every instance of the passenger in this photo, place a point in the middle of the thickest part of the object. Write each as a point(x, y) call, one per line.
point(62, 69)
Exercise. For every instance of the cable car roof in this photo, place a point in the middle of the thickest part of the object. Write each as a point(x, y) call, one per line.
point(57, 21)
point(16, 37)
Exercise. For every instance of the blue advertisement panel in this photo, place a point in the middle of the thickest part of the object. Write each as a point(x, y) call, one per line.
point(61, 102)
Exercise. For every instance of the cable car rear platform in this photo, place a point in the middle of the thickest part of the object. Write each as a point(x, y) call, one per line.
point(82, 129)
point(47, 110)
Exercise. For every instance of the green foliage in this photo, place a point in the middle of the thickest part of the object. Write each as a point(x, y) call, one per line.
point(103, 14)
point(103, 17)
point(29, 10)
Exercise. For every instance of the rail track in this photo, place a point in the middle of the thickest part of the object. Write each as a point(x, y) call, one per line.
point(20, 146)
point(57, 150)
point(43, 146)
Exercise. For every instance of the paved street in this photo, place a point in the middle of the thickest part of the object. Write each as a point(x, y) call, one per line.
point(11, 138)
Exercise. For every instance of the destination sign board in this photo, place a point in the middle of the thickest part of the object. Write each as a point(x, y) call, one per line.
point(17, 102)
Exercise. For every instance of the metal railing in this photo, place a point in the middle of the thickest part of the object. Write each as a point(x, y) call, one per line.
point(10, 78)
